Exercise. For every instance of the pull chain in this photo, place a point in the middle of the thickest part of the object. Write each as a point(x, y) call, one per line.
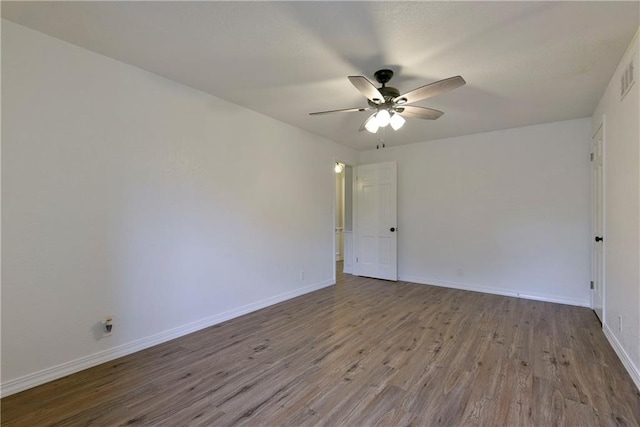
point(381, 138)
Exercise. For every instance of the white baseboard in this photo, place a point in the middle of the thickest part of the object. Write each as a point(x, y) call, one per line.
point(494, 291)
point(46, 375)
point(622, 355)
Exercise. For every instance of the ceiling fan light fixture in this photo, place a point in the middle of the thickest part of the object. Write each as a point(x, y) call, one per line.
point(372, 125)
point(401, 101)
point(383, 118)
point(396, 121)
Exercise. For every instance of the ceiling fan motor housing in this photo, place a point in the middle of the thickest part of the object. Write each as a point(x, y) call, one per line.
point(388, 93)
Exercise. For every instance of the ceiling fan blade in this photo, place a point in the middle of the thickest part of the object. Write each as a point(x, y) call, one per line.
point(430, 90)
point(367, 88)
point(419, 112)
point(364, 125)
point(346, 110)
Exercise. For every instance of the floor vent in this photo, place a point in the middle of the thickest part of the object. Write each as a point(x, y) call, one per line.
point(628, 78)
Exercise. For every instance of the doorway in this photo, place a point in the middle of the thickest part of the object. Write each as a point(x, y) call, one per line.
point(343, 221)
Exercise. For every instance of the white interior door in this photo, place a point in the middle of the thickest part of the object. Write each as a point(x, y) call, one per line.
point(375, 228)
point(597, 274)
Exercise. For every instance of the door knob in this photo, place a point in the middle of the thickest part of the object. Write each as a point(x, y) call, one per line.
point(599, 239)
point(392, 229)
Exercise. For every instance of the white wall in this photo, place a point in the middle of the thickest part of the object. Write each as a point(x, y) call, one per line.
point(125, 193)
point(505, 212)
point(622, 214)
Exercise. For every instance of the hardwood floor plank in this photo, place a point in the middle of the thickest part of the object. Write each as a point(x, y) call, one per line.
point(364, 352)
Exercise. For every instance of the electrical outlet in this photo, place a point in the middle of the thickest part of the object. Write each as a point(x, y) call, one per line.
point(301, 274)
point(107, 326)
point(460, 272)
point(619, 323)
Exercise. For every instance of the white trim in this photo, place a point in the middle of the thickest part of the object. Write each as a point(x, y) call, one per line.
point(334, 256)
point(49, 374)
point(348, 252)
point(633, 370)
point(494, 291)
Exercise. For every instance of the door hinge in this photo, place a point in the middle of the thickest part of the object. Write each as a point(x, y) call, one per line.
point(591, 156)
point(592, 284)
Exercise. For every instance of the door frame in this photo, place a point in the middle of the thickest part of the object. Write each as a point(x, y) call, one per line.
point(602, 129)
point(333, 211)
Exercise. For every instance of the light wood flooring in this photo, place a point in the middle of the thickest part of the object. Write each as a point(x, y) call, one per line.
point(363, 352)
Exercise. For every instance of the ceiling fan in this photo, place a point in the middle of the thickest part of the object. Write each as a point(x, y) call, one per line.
point(390, 106)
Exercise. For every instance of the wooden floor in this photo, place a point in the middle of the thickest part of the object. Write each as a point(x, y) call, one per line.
point(360, 353)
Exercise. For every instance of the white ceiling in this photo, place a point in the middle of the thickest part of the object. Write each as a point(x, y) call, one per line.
point(524, 62)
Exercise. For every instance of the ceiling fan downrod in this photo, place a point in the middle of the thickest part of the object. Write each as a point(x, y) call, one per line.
point(383, 76)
